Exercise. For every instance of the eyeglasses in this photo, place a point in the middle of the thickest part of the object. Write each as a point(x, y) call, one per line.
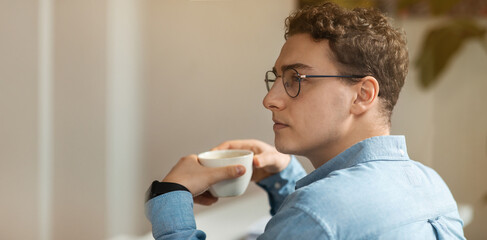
point(291, 80)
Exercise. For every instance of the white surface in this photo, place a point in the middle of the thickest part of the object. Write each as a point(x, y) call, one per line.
point(234, 220)
point(466, 213)
point(242, 219)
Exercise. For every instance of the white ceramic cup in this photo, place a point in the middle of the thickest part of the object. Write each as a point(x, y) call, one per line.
point(221, 158)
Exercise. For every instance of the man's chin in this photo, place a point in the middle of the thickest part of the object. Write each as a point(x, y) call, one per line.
point(283, 147)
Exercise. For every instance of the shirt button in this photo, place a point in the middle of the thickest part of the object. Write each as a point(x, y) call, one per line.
point(277, 185)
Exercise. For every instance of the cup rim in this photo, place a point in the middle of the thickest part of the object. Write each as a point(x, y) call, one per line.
point(203, 155)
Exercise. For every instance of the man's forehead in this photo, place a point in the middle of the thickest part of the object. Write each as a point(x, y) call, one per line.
point(301, 51)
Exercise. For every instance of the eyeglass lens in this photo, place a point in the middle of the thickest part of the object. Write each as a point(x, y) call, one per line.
point(270, 78)
point(290, 80)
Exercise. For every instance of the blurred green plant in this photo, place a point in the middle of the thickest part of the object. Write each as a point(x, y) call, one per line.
point(442, 43)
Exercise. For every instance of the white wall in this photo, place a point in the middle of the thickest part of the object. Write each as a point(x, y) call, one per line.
point(124, 118)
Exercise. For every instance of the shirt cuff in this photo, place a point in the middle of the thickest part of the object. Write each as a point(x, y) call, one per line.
point(170, 213)
point(280, 185)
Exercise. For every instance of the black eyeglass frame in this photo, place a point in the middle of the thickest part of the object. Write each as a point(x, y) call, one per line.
point(300, 78)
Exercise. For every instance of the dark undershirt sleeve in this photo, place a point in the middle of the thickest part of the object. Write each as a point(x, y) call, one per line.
point(158, 188)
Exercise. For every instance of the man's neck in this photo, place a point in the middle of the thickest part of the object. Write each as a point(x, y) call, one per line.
point(323, 155)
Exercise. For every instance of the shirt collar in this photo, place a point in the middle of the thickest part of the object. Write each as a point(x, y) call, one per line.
point(383, 148)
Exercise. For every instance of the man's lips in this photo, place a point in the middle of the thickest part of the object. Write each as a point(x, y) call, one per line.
point(279, 125)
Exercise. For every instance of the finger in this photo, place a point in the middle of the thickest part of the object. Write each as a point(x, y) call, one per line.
point(272, 162)
point(263, 160)
point(189, 159)
point(222, 146)
point(224, 173)
point(256, 162)
point(205, 199)
point(249, 144)
point(259, 175)
point(233, 144)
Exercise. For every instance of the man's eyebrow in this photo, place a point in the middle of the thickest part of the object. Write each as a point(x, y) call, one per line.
point(295, 66)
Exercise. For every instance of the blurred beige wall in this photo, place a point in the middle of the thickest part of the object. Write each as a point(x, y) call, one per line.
point(18, 120)
point(99, 98)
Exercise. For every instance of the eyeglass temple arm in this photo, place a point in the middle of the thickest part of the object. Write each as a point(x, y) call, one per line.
point(321, 76)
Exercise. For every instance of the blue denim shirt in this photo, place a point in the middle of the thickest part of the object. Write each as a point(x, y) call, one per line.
point(370, 191)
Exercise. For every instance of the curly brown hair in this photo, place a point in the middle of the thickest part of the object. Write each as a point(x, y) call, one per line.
point(362, 41)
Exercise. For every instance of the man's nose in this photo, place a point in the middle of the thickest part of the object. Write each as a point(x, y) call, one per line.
point(275, 98)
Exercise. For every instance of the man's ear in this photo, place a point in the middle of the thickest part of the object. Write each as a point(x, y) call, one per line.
point(367, 91)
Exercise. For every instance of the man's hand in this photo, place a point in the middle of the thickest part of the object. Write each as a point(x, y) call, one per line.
point(197, 178)
point(267, 160)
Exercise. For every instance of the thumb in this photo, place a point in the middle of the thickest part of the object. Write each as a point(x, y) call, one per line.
point(263, 160)
point(224, 173)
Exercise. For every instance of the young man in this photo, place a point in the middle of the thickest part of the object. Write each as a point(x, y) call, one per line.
point(331, 93)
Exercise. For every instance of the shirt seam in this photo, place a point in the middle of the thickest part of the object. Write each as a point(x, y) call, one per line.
point(385, 159)
point(370, 161)
point(425, 217)
point(406, 159)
